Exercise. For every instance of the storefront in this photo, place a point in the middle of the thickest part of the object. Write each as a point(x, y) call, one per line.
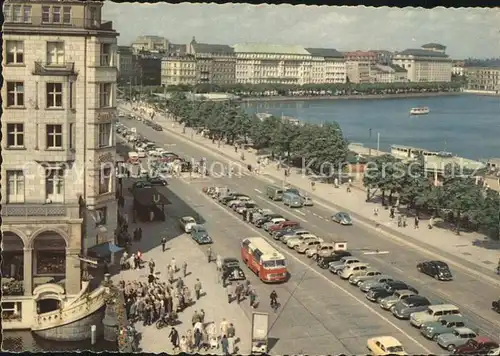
point(49, 258)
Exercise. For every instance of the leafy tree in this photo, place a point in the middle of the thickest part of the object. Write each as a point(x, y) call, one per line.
point(416, 187)
point(384, 173)
point(284, 137)
point(489, 213)
point(262, 132)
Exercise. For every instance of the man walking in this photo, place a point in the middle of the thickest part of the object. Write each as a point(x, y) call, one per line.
point(238, 292)
point(163, 244)
point(229, 291)
point(209, 254)
point(197, 289)
point(184, 269)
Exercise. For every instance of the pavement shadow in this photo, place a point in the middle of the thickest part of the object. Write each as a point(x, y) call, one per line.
point(487, 244)
point(271, 342)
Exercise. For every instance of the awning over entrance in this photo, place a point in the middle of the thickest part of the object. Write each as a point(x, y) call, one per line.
point(149, 196)
point(103, 250)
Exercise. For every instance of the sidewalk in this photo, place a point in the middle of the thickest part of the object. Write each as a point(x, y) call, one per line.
point(443, 239)
point(212, 302)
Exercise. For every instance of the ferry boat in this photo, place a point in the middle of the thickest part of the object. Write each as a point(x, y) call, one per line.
point(420, 111)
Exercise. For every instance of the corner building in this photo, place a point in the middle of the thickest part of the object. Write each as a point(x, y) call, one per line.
point(58, 190)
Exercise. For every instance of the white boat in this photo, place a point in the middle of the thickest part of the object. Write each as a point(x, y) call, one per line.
point(420, 111)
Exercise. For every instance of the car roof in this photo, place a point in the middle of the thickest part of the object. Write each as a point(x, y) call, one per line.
point(439, 263)
point(187, 218)
point(464, 330)
point(388, 341)
point(417, 297)
point(405, 292)
point(452, 318)
point(230, 259)
point(484, 340)
point(199, 227)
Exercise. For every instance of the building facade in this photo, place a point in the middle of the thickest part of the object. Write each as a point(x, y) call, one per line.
point(149, 69)
point(427, 64)
point(178, 69)
point(458, 69)
point(58, 191)
point(361, 56)
point(388, 74)
point(483, 78)
point(358, 72)
point(330, 64)
point(153, 44)
point(127, 65)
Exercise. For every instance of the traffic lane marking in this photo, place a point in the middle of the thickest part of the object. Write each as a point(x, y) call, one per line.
point(331, 282)
point(281, 208)
point(381, 233)
point(258, 191)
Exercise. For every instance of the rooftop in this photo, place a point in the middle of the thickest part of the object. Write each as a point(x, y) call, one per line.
point(211, 48)
point(270, 48)
point(434, 45)
point(325, 52)
point(418, 52)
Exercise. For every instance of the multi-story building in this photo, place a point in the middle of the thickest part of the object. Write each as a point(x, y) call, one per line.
point(358, 72)
point(149, 69)
point(215, 64)
point(330, 63)
point(388, 74)
point(427, 64)
point(154, 44)
point(272, 64)
point(361, 56)
point(383, 56)
point(127, 65)
point(58, 192)
point(178, 69)
point(484, 78)
point(458, 69)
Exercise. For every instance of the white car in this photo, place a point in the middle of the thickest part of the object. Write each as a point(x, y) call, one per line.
point(307, 244)
point(273, 222)
point(291, 243)
point(187, 223)
point(294, 235)
point(141, 152)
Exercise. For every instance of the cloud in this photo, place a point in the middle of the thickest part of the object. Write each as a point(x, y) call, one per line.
point(471, 32)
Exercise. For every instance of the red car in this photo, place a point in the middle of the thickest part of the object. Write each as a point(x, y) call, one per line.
point(480, 345)
point(283, 225)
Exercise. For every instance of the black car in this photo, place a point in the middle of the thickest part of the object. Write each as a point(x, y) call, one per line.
point(285, 231)
point(186, 166)
point(157, 181)
point(375, 294)
point(157, 127)
point(495, 305)
point(436, 269)
point(393, 286)
point(228, 198)
point(323, 262)
point(229, 262)
point(266, 218)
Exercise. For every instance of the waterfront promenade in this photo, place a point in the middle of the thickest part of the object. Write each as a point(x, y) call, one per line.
point(472, 248)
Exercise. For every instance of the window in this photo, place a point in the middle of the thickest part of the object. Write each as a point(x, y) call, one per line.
point(15, 52)
point(45, 14)
point(17, 13)
point(100, 216)
point(66, 14)
point(15, 94)
point(54, 95)
point(71, 136)
point(12, 310)
point(6, 12)
point(55, 52)
point(71, 85)
point(15, 186)
point(27, 14)
point(54, 136)
point(105, 180)
point(105, 135)
point(105, 95)
point(54, 185)
point(56, 14)
point(105, 54)
point(15, 135)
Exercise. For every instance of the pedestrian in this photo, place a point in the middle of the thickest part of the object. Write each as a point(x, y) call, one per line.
point(163, 244)
point(174, 338)
point(405, 223)
point(173, 264)
point(417, 220)
point(202, 316)
point(400, 221)
point(349, 185)
point(224, 344)
point(375, 211)
point(151, 266)
point(183, 345)
point(209, 254)
point(231, 331)
point(229, 291)
point(253, 298)
point(224, 326)
point(197, 339)
point(218, 262)
point(391, 212)
point(238, 292)
point(195, 318)
point(313, 185)
point(197, 289)
point(184, 269)
point(246, 291)
point(431, 222)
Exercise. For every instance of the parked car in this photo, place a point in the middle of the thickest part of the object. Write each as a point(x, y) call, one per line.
point(141, 184)
point(229, 262)
point(326, 249)
point(200, 235)
point(266, 218)
point(187, 223)
point(243, 206)
point(443, 325)
point(157, 180)
point(393, 286)
point(405, 308)
point(375, 294)
point(324, 262)
point(307, 244)
point(291, 243)
point(283, 232)
point(365, 275)
point(385, 345)
point(480, 345)
point(336, 267)
point(433, 313)
point(283, 225)
point(386, 303)
point(458, 337)
point(293, 235)
point(354, 268)
point(378, 281)
point(436, 269)
point(273, 222)
point(342, 218)
point(495, 305)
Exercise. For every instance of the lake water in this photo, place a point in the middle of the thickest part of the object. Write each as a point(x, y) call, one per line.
point(466, 125)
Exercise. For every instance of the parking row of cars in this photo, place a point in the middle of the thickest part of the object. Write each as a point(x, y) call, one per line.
point(443, 323)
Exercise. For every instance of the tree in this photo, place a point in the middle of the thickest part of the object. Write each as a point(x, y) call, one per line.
point(284, 137)
point(384, 173)
point(261, 132)
point(416, 187)
point(489, 214)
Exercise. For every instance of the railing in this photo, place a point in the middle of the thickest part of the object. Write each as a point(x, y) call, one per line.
point(36, 210)
point(61, 22)
point(88, 304)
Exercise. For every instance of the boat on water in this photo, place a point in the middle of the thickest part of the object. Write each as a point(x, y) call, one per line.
point(420, 111)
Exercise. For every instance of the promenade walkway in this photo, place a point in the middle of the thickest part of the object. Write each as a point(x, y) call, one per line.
point(471, 247)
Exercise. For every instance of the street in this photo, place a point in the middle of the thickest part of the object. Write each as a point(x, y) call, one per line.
point(399, 262)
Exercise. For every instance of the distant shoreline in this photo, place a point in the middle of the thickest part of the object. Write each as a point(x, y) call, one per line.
point(351, 97)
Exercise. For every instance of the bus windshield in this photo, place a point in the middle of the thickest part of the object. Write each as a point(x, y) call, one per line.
point(274, 264)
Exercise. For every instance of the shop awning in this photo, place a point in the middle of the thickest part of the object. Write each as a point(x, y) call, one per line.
point(149, 196)
point(103, 250)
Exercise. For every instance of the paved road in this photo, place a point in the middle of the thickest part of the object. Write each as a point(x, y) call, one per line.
point(399, 262)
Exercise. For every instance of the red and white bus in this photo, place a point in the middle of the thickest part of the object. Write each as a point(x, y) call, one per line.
point(263, 259)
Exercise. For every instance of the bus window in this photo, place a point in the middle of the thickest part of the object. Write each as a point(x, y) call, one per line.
point(280, 263)
point(269, 264)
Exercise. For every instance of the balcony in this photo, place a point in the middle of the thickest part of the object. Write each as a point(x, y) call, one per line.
point(39, 210)
point(64, 23)
point(56, 69)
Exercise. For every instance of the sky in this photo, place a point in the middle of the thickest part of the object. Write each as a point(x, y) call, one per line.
point(472, 32)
